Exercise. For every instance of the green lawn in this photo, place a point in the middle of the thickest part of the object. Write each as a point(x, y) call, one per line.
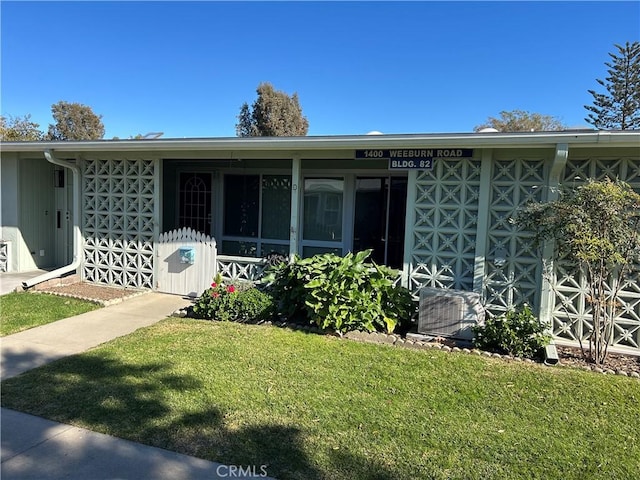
point(318, 407)
point(24, 310)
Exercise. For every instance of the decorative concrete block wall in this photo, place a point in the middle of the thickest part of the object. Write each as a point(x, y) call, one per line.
point(463, 236)
point(445, 222)
point(118, 221)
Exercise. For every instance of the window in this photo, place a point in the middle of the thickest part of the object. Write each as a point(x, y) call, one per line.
point(241, 205)
point(276, 206)
point(311, 251)
point(257, 214)
point(195, 202)
point(323, 209)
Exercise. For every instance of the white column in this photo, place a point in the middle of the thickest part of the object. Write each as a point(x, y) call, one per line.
point(157, 216)
point(296, 187)
point(482, 228)
point(410, 221)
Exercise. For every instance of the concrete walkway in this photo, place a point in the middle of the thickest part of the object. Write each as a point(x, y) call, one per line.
point(35, 448)
point(40, 345)
point(9, 281)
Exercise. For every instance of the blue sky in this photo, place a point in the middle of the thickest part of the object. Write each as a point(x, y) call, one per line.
point(185, 68)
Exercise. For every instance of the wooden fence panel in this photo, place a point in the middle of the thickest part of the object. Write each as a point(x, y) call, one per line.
point(186, 262)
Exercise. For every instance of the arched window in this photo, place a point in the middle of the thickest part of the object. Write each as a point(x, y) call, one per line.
point(195, 202)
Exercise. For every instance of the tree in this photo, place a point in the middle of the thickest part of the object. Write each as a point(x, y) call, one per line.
point(619, 108)
point(19, 129)
point(75, 121)
point(522, 121)
point(597, 228)
point(273, 114)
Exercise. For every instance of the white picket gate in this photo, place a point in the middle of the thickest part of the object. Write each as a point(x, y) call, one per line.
point(185, 261)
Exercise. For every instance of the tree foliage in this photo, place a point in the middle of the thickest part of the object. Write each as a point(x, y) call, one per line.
point(619, 108)
point(522, 121)
point(273, 114)
point(19, 129)
point(597, 228)
point(74, 121)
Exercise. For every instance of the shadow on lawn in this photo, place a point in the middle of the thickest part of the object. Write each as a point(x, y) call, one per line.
point(277, 448)
point(134, 401)
point(96, 391)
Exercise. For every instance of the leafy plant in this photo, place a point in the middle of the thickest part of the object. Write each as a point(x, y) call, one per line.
point(341, 293)
point(241, 303)
point(596, 228)
point(517, 332)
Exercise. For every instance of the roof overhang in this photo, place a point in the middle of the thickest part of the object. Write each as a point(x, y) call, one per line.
point(462, 140)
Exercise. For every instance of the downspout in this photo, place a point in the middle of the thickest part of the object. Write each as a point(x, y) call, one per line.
point(547, 300)
point(77, 235)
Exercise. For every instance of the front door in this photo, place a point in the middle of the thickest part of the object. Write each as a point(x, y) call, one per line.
point(380, 218)
point(63, 222)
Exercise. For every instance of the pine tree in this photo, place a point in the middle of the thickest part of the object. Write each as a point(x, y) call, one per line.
point(245, 126)
point(619, 108)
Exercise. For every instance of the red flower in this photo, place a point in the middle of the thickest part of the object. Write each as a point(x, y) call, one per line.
point(231, 289)
point(214, 285)
point(215, 295)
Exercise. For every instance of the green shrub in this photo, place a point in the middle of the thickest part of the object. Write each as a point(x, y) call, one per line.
point(254, 305)
point(516, 332)
point(286, 282)
point(241, 303)
point(341, 293)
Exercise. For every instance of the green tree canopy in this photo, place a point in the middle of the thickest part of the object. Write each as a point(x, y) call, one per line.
point(74, 121)
point(522, 121)
point(19, 129)
point(619, 108)
point(273, 114)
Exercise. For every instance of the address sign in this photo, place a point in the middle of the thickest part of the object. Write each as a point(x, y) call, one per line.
point(410, 158)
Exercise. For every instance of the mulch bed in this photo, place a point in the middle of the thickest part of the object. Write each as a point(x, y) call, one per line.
point(101, 294)
point(615, 362)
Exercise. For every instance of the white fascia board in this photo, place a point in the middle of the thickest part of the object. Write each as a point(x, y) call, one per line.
point(469, 140)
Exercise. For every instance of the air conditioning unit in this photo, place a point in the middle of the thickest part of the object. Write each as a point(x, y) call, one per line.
point(449, 313)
